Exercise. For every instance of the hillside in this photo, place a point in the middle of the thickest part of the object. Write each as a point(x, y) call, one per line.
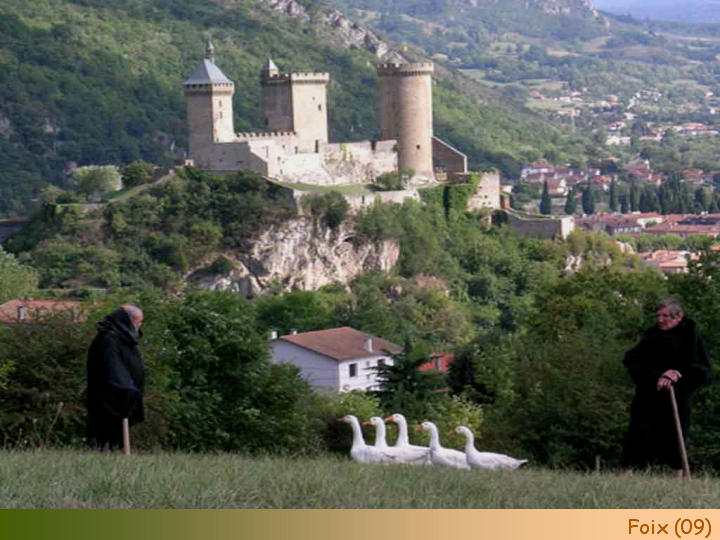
point(98, 82)
point(693, 11)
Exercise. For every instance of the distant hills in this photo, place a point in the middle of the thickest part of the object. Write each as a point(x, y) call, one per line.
point(693, 11)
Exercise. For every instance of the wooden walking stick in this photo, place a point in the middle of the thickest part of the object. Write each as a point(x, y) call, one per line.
point(126, 436)
point(678, 429)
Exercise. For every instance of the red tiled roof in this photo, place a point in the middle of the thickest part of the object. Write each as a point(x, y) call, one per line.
point(439, 362)
point(341, 343)
point(34, 309)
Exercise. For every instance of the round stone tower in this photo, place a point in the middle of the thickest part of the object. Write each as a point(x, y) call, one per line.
point(208, 93)
point(405, 113)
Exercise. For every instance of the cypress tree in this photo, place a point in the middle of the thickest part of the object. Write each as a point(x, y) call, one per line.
point(571, 203)
point(624, 204)
point(613, 197)
point(634, 198)
point(545, 202)
point(588, 201)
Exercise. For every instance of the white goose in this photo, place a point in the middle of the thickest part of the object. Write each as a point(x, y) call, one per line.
point(485, 460)
point(443, 456)
point(411, 453)
point(361, 452)
point(399, 455)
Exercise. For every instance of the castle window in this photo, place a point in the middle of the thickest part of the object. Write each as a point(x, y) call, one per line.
point(220, 115)
point(220, 104)
point(319, 107)
point(418, 147)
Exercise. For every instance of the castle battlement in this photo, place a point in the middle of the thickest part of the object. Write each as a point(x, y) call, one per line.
point(418, 68)
point(258, 135)
point(284, 78)
point(204, 88)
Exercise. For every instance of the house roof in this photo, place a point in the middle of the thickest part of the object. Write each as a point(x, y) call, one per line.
point(342, 343)
point(10, 312)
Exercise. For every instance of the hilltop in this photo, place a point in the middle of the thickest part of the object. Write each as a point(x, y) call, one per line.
point(95, 82)
point(694, 11)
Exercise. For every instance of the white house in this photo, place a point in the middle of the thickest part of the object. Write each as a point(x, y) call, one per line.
point(339, 359)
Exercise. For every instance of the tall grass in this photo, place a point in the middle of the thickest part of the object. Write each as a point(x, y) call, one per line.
point(72, 479)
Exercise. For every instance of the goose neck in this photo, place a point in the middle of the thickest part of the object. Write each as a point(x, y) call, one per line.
point(380, 437)
point(358, 440)
point(402, 439)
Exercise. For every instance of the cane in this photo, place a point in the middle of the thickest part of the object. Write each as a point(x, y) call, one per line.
point(678, 429)
point(126, 436)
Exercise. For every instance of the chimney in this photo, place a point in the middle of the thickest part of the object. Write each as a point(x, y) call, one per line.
point(21, 313)
point(368, 345)
point(273, 334)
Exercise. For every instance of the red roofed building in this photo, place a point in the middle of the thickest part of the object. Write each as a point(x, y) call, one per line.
point(339, 359)
point(668, 262)
point(687, 225)
point(439, 362)
point(33, 311)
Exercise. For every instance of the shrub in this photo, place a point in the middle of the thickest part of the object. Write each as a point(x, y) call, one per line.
point(331, 207)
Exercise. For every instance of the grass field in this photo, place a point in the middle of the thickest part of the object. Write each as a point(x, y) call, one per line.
point(75, 479)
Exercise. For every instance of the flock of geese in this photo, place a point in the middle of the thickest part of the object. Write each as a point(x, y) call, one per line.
point(402, 452)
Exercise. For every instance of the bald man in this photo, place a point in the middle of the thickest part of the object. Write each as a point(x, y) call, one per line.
point(115, 377)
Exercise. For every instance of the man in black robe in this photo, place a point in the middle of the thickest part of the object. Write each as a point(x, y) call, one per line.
point(672, 353)
point(115, 377)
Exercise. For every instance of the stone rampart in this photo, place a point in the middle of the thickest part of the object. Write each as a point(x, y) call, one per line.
point(533, 226)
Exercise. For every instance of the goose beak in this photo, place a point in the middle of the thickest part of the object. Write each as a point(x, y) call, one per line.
point(419, 428)
point(367, 423)
point(389, 419)
point(453, 432)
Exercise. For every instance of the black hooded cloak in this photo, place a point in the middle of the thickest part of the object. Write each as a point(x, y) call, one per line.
point(116, 380)
point(652, 437)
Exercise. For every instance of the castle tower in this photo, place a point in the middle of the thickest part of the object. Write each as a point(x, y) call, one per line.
point(405, 113)
point(208, 93)
point(296, 102)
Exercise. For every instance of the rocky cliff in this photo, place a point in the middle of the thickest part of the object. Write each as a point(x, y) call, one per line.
point(339, 29)
point(300, 254)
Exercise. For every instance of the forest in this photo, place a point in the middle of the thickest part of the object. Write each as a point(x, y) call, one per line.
point(538, 344)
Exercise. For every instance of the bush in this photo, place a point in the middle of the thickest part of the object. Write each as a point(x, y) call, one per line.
point(331, 207)
point(393, 181)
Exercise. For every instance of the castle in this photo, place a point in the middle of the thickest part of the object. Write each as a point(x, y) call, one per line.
point(293, 145)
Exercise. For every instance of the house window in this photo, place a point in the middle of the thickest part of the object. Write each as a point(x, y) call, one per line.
point(353, 370)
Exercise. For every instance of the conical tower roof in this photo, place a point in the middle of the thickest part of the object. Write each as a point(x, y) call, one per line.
point(207, 72)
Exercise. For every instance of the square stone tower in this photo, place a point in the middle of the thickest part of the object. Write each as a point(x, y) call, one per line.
point(208, 93)
point(296, 102)
point(405, 113)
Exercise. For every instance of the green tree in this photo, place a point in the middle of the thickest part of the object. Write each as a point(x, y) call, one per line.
point(137, 173)
point(545, 201)
point(588, 201)
point(571, 203)
point(17, 280)
point(613, 201)
point(93, 181)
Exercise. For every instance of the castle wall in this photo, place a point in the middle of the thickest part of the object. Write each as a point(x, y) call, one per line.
point(343, 163)
point(488, 192)
point(448, 158)
point(358, 202)
point(548, 228)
